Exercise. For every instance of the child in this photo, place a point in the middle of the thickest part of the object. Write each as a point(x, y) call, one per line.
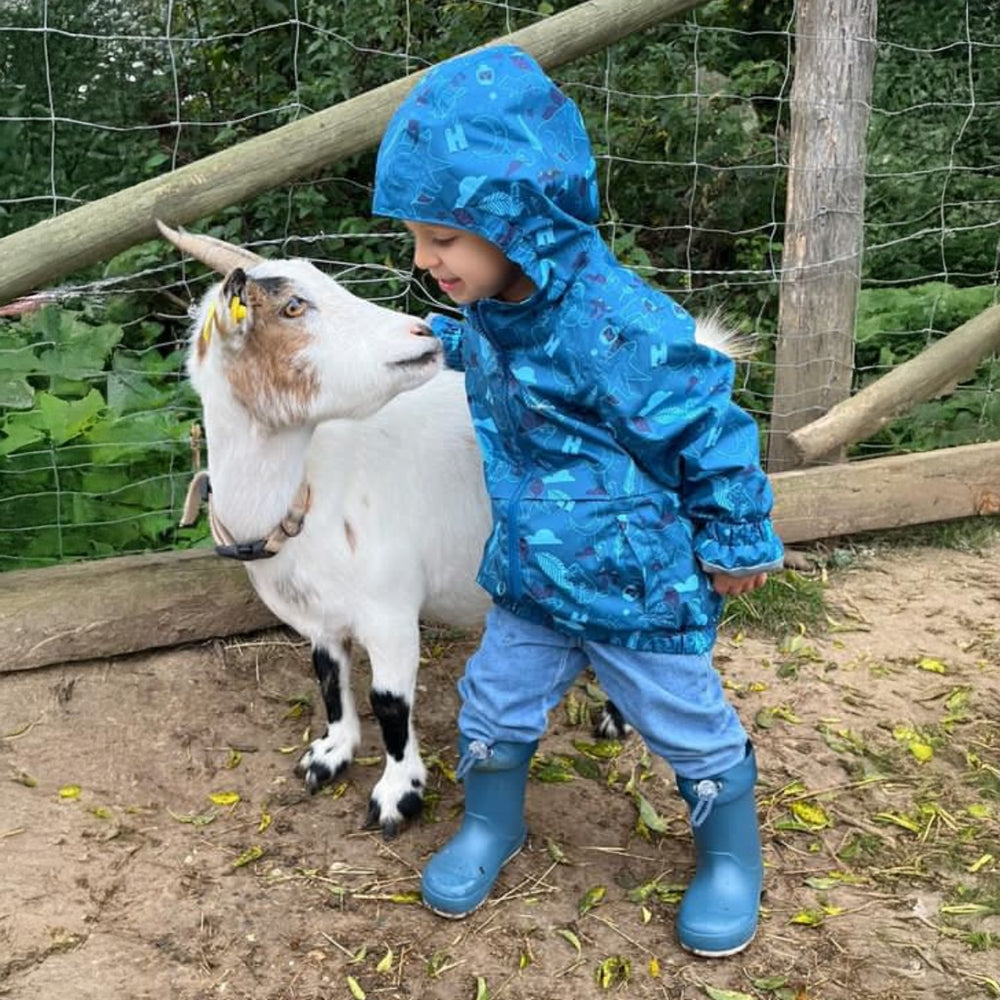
point(626, 489)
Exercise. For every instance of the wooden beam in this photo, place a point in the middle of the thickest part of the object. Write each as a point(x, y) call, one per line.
point(824, 216)
point(94, 610)
point(893, 492)
point(100, 229)
point(109, 607)
point(952, 359)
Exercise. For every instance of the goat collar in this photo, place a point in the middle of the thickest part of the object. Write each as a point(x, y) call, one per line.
point(200, 491)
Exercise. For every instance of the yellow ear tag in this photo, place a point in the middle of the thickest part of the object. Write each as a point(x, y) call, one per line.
point(237, 311)
point(206, 330)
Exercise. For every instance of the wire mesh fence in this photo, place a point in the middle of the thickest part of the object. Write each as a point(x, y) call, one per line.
point(690, 127)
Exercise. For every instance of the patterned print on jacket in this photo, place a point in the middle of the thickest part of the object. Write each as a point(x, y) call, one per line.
point(618, 466)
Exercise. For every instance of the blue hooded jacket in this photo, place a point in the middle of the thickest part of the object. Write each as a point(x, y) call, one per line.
point(618, 467)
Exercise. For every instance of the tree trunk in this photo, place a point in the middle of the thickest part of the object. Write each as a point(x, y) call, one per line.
point(824, 227)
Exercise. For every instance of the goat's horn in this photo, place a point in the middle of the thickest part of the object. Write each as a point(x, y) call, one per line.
point(217, 254)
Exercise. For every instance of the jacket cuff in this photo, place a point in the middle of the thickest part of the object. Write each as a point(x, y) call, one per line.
point(743, 549)
point(449, 332)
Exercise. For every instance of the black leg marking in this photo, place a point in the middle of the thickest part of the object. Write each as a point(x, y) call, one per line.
point(611, 725)
point(328, 674)
point(411, 804)
point(393, 714)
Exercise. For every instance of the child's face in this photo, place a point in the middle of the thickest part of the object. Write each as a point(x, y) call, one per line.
point(467, 267)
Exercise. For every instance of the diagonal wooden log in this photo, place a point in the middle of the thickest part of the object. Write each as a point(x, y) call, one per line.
point(111, 607)
point(952, 359)
point(100, 229)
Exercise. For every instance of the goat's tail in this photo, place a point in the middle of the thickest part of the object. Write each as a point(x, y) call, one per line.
point(713, 331)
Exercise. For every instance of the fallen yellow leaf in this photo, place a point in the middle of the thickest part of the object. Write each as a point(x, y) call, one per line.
point(250, 854)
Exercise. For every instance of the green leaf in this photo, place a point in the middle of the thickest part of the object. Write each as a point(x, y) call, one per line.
point(591, 898)
point(717, 994)
point(613, 971)
point(552, 770)
point(769, 982)
point(65, 420)
point(20, 431)
point(568, 935)
point(811, 814)
point(15, 392)
point(587, 768)
point(649, 816)
point(250, 854)
point(602, 750)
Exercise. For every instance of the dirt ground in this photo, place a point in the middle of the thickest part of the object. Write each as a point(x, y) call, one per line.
point(878, 738)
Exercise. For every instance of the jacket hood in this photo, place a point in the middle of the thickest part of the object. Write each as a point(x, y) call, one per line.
point(487, 143)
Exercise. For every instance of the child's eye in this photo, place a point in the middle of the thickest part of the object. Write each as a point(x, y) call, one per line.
point(294, 308)
point(442, 241)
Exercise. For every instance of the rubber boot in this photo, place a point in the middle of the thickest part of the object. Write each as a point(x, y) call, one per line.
point(460, 876)
point(718, 914)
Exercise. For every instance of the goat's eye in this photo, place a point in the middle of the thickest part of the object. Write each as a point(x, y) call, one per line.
point(294, 308)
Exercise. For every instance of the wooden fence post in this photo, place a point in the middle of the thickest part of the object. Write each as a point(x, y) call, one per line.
point(821, 269)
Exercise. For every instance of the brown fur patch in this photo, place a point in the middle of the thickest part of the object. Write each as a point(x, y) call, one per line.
point(352, 540)
point(269, 376)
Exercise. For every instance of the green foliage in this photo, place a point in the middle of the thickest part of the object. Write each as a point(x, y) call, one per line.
point(92, 444)
point(689, 121)
point(896, 324)
point(935, 130)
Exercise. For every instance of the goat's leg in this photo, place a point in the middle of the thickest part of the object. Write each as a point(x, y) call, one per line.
point(331, 753)
point(399, 793)
point(611, 724)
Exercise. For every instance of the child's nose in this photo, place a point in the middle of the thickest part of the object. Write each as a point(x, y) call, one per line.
point(423, 255)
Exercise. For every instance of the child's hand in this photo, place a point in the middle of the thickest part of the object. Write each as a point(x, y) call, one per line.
point(732, 586)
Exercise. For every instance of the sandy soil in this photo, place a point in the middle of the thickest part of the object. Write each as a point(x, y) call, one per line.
point(879, 744)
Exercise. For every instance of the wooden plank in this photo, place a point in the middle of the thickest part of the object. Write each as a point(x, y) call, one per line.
point(881, 493)
point(824, 216)
point(94, 610)
point(952, 359)
point(98, 230)
point(110, 607)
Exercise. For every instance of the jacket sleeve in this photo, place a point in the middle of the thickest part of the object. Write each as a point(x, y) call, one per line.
point(677, 419)
point(450, 332)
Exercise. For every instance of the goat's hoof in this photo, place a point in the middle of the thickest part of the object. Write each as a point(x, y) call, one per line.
point(611, 725)
point(317, 775)
point(373, 821)
point(407, 807)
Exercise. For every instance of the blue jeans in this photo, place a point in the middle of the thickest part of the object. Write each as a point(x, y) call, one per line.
point(521, 671)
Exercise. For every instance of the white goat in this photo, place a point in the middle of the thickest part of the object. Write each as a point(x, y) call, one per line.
point(350, 479)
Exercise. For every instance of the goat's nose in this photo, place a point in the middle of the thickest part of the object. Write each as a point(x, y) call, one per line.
point(421, 330)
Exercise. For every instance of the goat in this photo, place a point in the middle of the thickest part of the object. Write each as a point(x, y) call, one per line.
point(344, 469)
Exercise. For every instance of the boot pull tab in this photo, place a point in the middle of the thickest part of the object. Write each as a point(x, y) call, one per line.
point(475, 752)
point(706, 790)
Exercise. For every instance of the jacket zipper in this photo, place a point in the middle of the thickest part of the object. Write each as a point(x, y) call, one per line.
point(513, 583)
